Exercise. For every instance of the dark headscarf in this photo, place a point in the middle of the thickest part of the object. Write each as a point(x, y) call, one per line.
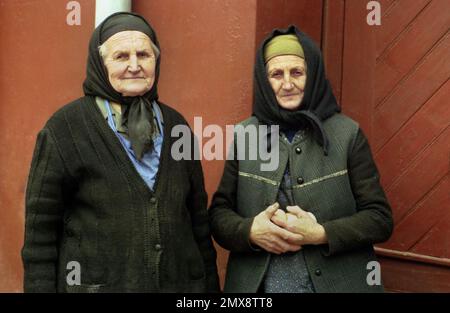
point(318, 102)
point(138, 115)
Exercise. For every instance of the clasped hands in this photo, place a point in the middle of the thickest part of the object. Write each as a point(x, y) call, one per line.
point(278, 232)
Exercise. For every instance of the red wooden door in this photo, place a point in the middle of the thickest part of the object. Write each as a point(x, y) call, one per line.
point(411, 133)
point(394, 79)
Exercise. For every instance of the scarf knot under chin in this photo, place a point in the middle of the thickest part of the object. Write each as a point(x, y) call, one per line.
point(138, 120)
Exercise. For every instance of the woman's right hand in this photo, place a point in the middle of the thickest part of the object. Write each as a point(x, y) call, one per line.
point(271, 237)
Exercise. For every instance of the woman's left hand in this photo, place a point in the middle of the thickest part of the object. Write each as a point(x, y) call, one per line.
point(301, 222)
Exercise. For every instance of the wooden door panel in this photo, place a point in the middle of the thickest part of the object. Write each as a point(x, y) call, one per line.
point(435, 242)
point(333, 43)
point(410, 46)
point(395, 19)
point(399, 92)
point(426, 171)
point(406, 276)
point(422, 218)
point(407, 144)
point(419, 86)
point(387, 4)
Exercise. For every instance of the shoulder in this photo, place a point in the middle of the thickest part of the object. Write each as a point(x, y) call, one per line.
point(70, 119)
point(252, 120)
point(342, 131)
point(67, 112)
point(341, 120)
point(171, 116)
point(341, 126)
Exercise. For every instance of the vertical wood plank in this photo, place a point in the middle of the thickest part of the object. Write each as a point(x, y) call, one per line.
point(307, 15)
point(333, 42)
point(358, 65)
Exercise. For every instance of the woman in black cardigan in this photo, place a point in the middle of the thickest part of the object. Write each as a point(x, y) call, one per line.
point(108, 209)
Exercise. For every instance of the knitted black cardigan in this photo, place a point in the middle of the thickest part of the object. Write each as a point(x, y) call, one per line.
point(86, 202)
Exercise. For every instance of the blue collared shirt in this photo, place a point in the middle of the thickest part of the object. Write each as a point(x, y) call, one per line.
point(148, 166)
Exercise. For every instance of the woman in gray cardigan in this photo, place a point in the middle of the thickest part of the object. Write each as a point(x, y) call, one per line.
point(310, 224)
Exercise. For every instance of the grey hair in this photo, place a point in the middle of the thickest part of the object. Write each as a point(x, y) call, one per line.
point(102, 50)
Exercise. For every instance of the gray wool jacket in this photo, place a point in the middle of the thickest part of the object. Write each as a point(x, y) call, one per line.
point(342, 189)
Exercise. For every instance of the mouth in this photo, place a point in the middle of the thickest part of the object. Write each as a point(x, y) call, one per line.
point(290, 95)
point(127, 78)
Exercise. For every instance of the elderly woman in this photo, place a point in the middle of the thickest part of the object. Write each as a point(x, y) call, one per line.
point(309, 225)
point(103, 189)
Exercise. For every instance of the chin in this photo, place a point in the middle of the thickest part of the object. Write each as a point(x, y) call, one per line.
point(290, 105)
point(133, 92)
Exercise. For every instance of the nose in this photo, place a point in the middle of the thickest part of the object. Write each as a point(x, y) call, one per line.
point(133, 65)
point(287, 83)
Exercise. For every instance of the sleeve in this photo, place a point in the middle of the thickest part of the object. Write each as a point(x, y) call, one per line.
point(373, 221)
point(43, 216)
point(197, 205)
point(230, 230)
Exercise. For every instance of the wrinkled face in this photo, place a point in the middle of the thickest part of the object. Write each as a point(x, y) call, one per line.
point(130, 62)
point(287, 76)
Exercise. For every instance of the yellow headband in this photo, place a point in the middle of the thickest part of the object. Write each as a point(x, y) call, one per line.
point(283, 45)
